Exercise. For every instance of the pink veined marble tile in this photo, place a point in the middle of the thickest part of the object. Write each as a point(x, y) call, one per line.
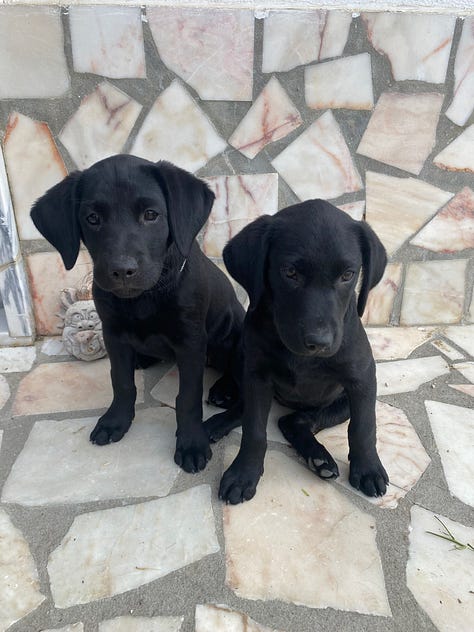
point(213, 617)
point(402, 130)
point(214, 54)
point(380, 302)
point(239, 200)
point(458, 155)
point(433, 292)
point(452, 229)
point(467, 389)
point(417, 45)
point(462, 103)
point(340, 83)
point(295, 38)
point(271, 117)
point(393, 343)
point(176, 129)
point(107, 41)
point(355, 209)
point(33, 164)
point(318, 164)
point(100, 126)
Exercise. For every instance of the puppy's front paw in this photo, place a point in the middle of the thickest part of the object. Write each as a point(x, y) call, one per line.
point(239, 483)
point(192, 452)
point(110, 428)
point(369, 476)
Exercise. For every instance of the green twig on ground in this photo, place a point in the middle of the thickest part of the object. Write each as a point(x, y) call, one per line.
point(447, 535)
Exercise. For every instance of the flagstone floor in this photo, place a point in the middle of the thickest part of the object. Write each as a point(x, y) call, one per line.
point(118, 538)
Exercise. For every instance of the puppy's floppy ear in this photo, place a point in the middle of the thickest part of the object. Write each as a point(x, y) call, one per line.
point(245, 257)
point(55, 216)
point(189, 202)
point(374, 260)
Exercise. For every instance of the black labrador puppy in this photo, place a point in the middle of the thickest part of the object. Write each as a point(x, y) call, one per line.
point(304, 342)
point(156, 293)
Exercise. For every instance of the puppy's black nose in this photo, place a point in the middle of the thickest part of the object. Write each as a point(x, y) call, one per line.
point(124, 269)
point(318, 341)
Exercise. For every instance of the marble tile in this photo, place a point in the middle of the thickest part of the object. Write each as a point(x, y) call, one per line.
point(9, 245)
point(398, 207)
point(295, 38)
point(107, 41)
point(403, 376)
point(214, 56)
point(452, 229)
point(74, 627)
point(447, 350)
point(19, 585)
point(108, 552)
point(340, 83)
point(433, 292)
point(212, 617)
point(100, 126)
point(54, 347)
point(33, 165)
point(399, 448)
point(467, 389)
point(4, 394)
point(462, 104)
point(394, 343)
point(417, 45)
point(318, 163)
point(141, 624)
point(470, 313)
point(67, 386)
point(402, 129)
point(438, 575)
point(48, 277)
point(58, 464)
point(466, 369)
point(239, 200)
point(176, 129)
point(16, 359)
point(271, 117)
point(459, 154)
point(380, 302)
point(462, 336)
point(32, 60)
point(15, 293)
point(355, 209)
point(453, 429)
point(299, 523)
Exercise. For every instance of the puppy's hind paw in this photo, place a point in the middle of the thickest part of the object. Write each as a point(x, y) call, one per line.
point(370, 477)
point(224, 393)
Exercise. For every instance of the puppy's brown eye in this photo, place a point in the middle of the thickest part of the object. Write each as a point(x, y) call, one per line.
point(347, 276)
point(291, 272)
point(93, 219)
point(150, 215)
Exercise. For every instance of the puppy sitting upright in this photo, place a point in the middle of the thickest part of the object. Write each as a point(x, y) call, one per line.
point(156, 293)
point(304, 342)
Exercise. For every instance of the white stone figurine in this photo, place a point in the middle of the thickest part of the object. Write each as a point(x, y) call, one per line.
point(82, 329)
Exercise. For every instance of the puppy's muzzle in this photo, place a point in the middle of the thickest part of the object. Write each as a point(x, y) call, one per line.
point(319, 343)
point(123, 269)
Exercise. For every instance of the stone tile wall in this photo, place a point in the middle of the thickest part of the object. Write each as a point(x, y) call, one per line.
point(373, 112)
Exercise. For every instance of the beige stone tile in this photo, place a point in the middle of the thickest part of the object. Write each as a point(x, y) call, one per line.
point(462, 103)
point(380, 302)
point(447, 350)
point(403, 376)
point(398, 207)
point(438, 575)
point(141, 624)
point(108, 552)
point(355, 209)
point(467, 389)
point(294, 531)
point(394, 343)
point(433, 292)
point(19, 585)
point(67, 386)
point(213, 618)
point(16, 359)
point(74, 627)
point(402, 129)
point(459, 154)
point(462, 336)
point(53, 346)
point(33, 164)
point(466, 369)
point(271, 117)
point(4, 392)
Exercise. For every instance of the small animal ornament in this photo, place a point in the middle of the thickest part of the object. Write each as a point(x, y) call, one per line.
point(82, 329)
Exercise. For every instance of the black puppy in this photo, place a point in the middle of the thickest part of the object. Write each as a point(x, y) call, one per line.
point(156, 293)
point(304, 342)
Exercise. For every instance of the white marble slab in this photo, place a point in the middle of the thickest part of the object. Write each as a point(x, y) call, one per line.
point(355, 209)
point(4, 392)
point(107, 41)
point(394, 343)
point(417, 45)
point(214, 56)
point(108, 552)
point(318, 164)
point(176, 129)
point(403, 376)
point(16, 359)
point(438, 575)
point(217, 617)
point(459, 154)
point(19, 585)
point(16, 297)
point(462, 103)
point(272, 116)
point(100, 126)
point(74, 627)
point(141, 624)
point(453, 429)
point(54, 346)
point(340, 83)
point(433, 292)
point(239, 200)
point(9, 244)
point(462, 336)
point(380, 301)
point(447, 350)
point(466, 369)
point(300, 523)
point(398, 207)
point(59, 464)
point(33, 164)
point(32, 59)
point(294, 38)
point(402, 129)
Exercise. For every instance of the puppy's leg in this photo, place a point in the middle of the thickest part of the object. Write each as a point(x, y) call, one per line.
point(117, 420)
point(220, 425)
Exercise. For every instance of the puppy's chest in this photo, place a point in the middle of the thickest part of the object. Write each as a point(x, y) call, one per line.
point(155, 335)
